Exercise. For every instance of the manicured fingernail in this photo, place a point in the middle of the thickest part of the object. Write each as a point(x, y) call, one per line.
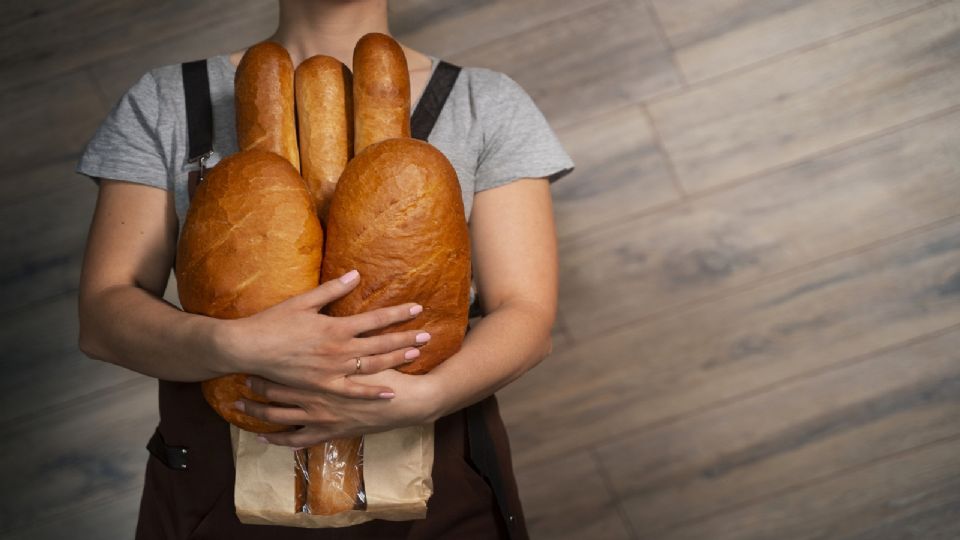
point(423, 337)
point(416, 310)
point(262, 439)
point(238, 405)
point(387, 395)
point(349, 277)
point(411, 354)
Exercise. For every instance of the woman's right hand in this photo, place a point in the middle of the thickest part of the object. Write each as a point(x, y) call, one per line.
point(292, 343)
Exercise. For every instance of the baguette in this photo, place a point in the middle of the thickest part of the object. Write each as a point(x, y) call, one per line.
point(263, 90)
point(324, 98)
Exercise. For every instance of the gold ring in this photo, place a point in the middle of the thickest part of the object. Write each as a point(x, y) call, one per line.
point(358, 365)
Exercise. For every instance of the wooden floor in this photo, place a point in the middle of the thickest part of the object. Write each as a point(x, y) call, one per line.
point(759, 333)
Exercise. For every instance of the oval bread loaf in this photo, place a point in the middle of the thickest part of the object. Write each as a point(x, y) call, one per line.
point(250, 241)
point(398, 218)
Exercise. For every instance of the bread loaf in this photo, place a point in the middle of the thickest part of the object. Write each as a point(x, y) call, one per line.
point(251, 240)
point(381, 91)
point(324, 97)
point(263, 90)
point(398, 218)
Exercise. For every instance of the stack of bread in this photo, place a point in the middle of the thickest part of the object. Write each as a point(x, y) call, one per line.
point(253, 235)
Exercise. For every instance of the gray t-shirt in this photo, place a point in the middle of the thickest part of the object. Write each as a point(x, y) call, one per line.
point(489, 129)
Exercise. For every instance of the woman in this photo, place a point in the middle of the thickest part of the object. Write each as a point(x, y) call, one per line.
point(504, 153)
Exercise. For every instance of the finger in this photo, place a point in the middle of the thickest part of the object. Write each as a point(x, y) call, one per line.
point(275, 392)
point(380, 318)
point(329, 291)
point(385, 343)
point(379, 362)
point(287, 416)
point(301, 438)
point(355, 390)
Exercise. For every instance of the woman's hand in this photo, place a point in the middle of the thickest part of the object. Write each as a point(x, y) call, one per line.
point(295, 345)
point(326, 416)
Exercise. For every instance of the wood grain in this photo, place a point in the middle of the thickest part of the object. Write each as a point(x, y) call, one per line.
point(620, 171)
point(116, 518)
point(804, 430)
point(43, 369)
point(711, 38)
point(806, 103)
point(54, 37)
point(83, 457)
point(446, 28)
point(730, 347)
point(47, 122)
point(44, 237)
point(568, 499)
point(571, 74)
point(782, 220)
point(898, 497)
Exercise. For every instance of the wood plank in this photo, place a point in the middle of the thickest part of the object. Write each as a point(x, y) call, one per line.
point(807, 103)
point(44, 179)
point(785, 219)
point(568, 499)
point(753, 448)
point(76, 459)
point(725, 349)
point(893, 498)
point(620, 171)
point(573, 75)
point(117, 73)
point(57, 37)
point(446, 28)
point(114, 519)
point(44, 237)
point(719, 36)
point(43, 368)
point(48, 122)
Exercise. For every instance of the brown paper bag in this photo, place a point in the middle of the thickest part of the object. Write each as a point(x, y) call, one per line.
point(397, 467)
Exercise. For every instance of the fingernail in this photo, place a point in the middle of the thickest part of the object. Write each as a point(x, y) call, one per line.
point(423, 337)
point(349, 277)
point(248, 382)
point(238, 405)
point(262, 439)
point(416, 310)
point(387, 395)
point(295, 448)
point(411, 354)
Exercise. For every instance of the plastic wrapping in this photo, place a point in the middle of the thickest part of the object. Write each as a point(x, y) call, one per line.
point(329, 477)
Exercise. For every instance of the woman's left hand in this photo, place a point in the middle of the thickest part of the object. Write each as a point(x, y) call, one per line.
point(325, 416)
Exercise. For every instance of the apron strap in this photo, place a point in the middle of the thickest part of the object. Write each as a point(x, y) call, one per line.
point(431, 102)
point(480, 441)
point(196, 96)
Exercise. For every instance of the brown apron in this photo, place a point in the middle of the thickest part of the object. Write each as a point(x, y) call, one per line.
point(188, 489)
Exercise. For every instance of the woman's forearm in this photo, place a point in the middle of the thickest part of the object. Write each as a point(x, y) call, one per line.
point(504, 345)
point(130, 327)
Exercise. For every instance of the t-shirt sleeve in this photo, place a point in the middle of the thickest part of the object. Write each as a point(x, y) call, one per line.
point(126, 146)
point(518, 141)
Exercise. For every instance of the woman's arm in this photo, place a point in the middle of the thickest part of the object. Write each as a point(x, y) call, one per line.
point(123, 320)
point(515, 262)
